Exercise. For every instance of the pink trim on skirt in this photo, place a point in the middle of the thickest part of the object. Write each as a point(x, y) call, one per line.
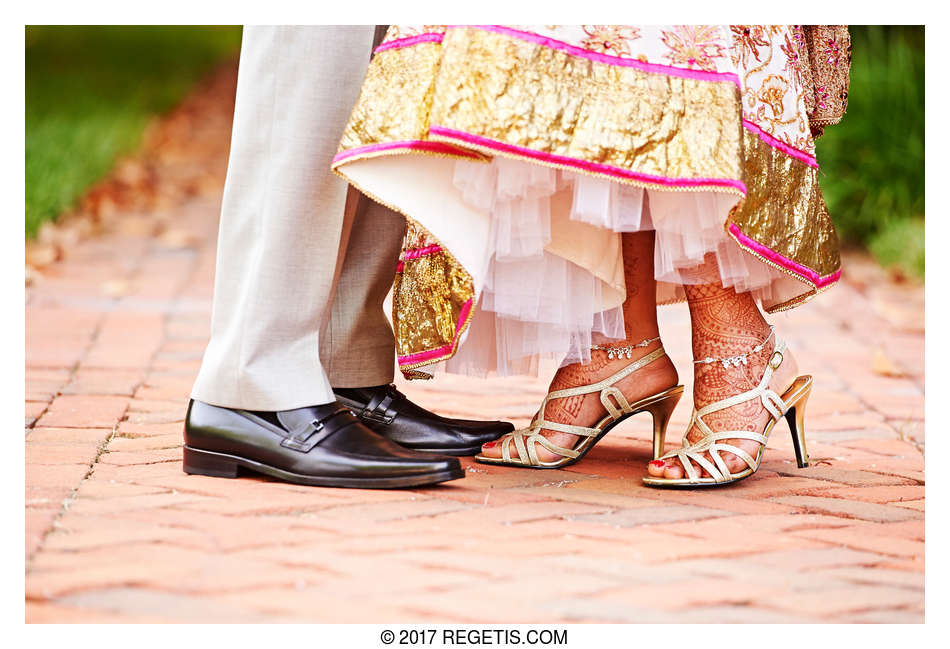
point(593, 167)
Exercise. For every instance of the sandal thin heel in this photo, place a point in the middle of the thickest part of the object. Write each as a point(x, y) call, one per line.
point(662, 411)
point(198, 462)
point(796, 424)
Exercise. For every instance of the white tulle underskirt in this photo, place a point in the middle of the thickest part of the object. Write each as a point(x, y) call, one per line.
point(535, 303)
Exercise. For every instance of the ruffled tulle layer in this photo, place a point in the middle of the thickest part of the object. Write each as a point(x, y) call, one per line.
point(537, 304)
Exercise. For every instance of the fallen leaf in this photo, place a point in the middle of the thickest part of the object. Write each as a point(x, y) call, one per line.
point(177, 239)
point(32, 275)
point(39, 254)
point(115, 288)
point(882, 365)
point(137, 226)
point(131, 172)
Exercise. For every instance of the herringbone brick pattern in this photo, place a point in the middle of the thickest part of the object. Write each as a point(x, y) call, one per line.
point(116, 532)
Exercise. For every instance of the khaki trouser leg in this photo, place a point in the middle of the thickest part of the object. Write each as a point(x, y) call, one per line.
point(357, 346)
point(282, 218)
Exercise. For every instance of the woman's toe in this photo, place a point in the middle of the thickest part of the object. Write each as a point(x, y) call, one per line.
point(656, 468)
point(491, 449)
point(674, 471)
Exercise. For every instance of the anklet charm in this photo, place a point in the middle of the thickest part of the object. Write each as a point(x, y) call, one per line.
point(624, 350)
point(743, 359)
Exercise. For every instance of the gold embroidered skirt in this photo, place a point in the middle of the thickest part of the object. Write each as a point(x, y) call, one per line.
point(519, 154)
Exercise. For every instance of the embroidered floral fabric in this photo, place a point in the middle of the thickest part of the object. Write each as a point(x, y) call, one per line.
point(829, 59)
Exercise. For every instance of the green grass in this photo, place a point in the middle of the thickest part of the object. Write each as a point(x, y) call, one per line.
point(873, 161)
point(91, 90)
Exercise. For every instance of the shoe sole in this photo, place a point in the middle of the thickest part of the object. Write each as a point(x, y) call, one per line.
point(221, 465)
point(456, 452)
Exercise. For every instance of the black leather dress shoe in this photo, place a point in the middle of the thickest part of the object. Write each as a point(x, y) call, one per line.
point(389, 412)
point(324, 446)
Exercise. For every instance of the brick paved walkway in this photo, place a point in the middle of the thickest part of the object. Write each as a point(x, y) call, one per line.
point(116, 532)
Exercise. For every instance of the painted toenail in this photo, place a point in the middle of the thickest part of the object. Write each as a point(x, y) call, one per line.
point(489, 444)
point(658, 464)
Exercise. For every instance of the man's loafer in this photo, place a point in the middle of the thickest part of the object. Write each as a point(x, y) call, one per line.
point(389, 412)
point(324, 446)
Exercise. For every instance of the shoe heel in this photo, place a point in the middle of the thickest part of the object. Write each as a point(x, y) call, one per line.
point(796, 423)
point(662, 410)
point(198, 462)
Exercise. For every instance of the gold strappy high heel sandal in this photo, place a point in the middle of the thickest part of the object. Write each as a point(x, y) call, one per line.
point(791, 405)
point(525, 441)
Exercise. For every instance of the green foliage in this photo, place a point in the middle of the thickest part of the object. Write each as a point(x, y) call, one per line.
point(901, 245)
point(873, 161)
point(91, 90)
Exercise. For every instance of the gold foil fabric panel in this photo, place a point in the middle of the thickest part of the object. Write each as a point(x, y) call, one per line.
point(395, 99)
point(430, 294)
point(784, 209)
point(527, 95)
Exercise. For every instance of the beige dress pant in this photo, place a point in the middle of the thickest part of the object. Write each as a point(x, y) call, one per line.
point(303, 263)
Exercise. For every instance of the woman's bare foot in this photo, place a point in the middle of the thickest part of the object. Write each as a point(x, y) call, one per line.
point(727, 324)
point(714, 383)
point(587, 410)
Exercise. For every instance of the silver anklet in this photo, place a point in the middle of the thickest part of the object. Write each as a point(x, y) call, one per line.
point(625, 350)
point(734, 361)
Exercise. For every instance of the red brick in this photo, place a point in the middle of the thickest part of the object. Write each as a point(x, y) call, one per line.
point(149, 419)
point(39, 520)
point(887, 616)
point(62, 353)
point(59, 475)
point(44, 384)
point(41, 454)
point(721, 501)
point(107, 534)
point(46, 613)
point(134, 429)
point(154, 456)
point(691, 593)
point(154, 442)
point(104, 382)
point(884, 576)
point(887, 447)
point(850, 509)
point(858, 539)
point(60, 436)
point(75, 411)
point(823, 403)
point(845, 421)
point(33, 411)
point(890, 494)
point(176, 406)
point(831, 603)
point(173, 392)
point(126, 340)
point(838, 474)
